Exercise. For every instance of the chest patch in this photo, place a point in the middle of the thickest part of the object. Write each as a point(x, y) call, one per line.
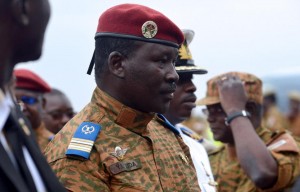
point(122, 166)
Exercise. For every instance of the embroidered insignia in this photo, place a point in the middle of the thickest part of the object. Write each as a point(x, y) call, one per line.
point(83, 140)
point(125, 166)
point(184, 51)
point(119, 153)
point(87, 129)
point(184, 158)
point(149, 29)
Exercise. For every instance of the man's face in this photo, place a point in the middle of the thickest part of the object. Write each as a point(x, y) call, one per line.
point(150, 76)
point(216, 119)
point(32, 104)
point(58, 111)
point(184, 99)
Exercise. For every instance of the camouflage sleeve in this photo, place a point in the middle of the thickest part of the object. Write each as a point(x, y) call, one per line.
point(288, 169)
point(78, 175)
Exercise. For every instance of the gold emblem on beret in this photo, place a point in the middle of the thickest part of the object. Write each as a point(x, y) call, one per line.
point(184, 51)
point(149, 29)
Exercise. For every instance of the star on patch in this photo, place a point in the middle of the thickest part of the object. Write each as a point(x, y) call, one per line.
point(119, 153)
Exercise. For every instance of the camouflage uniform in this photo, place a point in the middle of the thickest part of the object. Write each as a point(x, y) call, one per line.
point(43, 136)
point(295, 126)
point(154, 158)
point(274, 120)
point(231, 177)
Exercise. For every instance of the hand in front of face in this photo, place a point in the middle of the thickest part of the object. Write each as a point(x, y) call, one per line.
point(232, 94)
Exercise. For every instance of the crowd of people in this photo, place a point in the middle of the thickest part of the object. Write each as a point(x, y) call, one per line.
point(138, 133)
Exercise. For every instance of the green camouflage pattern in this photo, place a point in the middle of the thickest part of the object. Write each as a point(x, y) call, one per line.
point(231, 177)
point(155, 160)
point(43, 136)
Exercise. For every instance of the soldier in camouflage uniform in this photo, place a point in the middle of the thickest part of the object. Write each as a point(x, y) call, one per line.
point(110, 145)
point(273, 119)
point(253, 159)
point(29, 94)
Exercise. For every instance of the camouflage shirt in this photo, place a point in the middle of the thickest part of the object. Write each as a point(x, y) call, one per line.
point(231, 177)
point(43, 136)
point(153, 159)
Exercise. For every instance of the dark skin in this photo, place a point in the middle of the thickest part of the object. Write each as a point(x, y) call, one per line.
point(23, 24)
point(58, 111)
point(240, 137)
point(146, 75)
point(184, 99)
point(34, 111)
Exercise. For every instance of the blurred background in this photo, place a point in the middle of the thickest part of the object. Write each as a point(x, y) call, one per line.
point(257, 36)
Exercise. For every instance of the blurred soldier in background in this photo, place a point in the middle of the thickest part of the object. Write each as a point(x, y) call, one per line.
point(58, 110)
point(273, 119)
point(29, 94)
point(294, 113)
point(253, 158)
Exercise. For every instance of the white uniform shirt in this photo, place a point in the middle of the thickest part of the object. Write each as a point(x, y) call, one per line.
point(200, 160)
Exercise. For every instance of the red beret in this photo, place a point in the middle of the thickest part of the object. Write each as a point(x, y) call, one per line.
point(139, 22)
point(28, 80)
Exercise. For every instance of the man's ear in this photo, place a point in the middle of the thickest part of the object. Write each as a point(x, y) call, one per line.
point(116, 64)
point(20, 10)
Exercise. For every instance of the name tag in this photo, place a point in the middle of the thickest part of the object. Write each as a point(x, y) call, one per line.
point(125, 166)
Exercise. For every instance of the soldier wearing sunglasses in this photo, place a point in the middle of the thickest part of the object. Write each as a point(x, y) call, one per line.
point(29, 94)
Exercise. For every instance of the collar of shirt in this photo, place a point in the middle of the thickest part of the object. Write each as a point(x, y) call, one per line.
point(5, 104)
point(122, 115)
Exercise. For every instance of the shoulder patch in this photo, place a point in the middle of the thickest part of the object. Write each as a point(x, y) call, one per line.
point(83, 140)
point(283, 142)
point(167, 124)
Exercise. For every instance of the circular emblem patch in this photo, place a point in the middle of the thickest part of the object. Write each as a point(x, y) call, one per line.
point(149, 29)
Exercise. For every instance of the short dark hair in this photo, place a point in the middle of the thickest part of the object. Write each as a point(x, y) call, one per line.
point(106, 45)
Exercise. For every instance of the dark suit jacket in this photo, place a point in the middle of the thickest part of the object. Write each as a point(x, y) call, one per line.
point(10, 179)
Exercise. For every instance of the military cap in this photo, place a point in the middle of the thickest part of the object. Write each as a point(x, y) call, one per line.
point(185, 62)
point(252, 84)
point(294, 95)
point(27, 79)
point(140, 23)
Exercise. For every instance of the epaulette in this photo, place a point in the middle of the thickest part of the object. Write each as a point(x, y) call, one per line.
point(283, 142)
point(83, 140)
point(191, 134)
point(167, 124)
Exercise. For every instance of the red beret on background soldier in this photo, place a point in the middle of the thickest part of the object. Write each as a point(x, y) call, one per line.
point(29, 92)
point(110, 145)
point(253, 158)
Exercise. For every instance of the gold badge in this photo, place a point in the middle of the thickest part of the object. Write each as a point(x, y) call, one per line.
point(184, 158)
point(119, 153)
point(184, 51)
point(24, 126)
point(149, 29)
